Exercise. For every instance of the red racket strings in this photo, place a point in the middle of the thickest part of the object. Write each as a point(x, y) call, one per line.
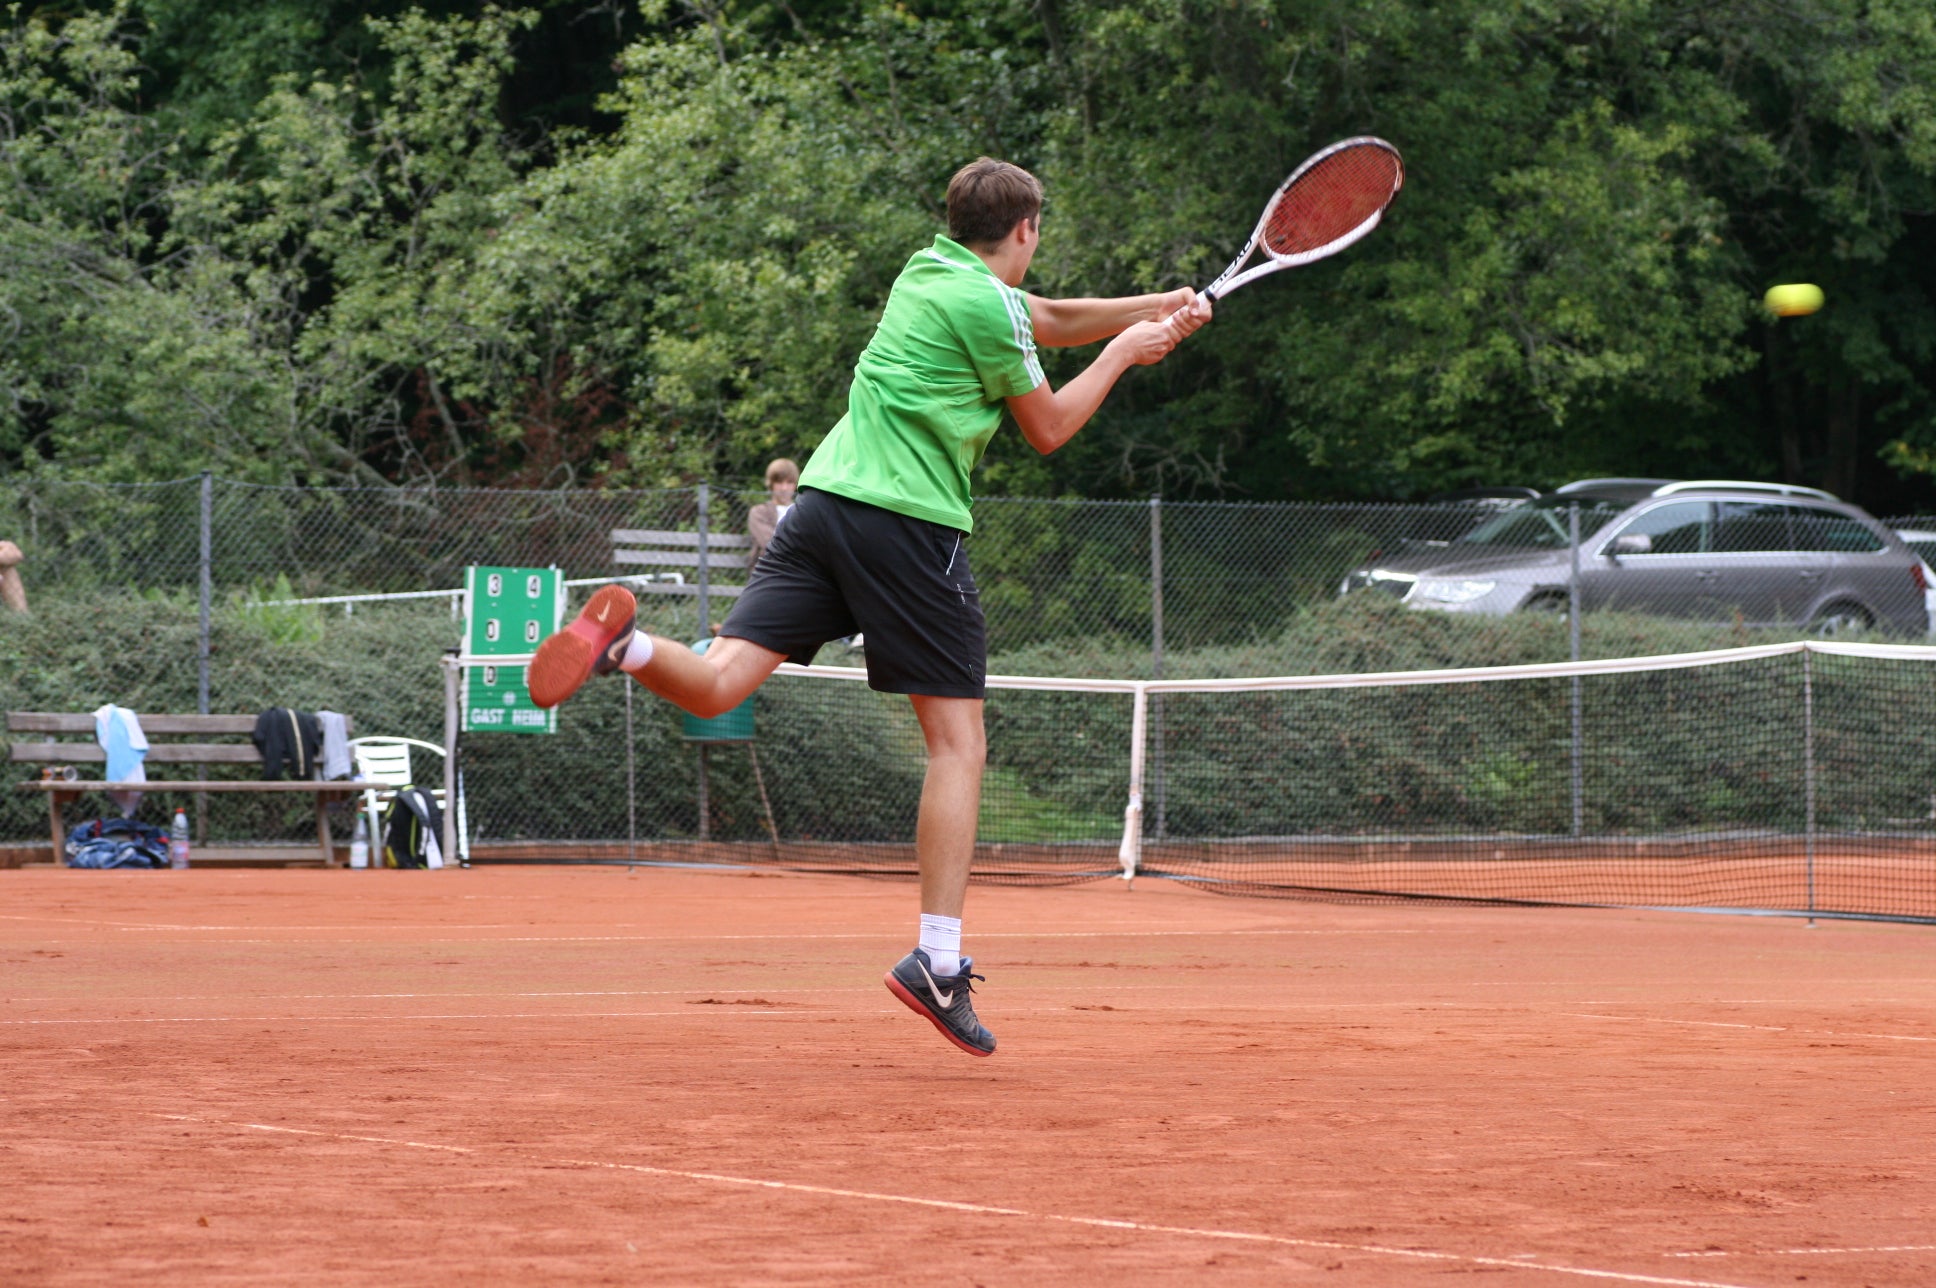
point(1332, 198)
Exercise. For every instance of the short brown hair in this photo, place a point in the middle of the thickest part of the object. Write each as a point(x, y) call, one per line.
point(782, 471)
point(987, 198)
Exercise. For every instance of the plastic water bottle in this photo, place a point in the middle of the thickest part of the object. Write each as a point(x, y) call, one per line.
point(360, 844)
point(178, 841)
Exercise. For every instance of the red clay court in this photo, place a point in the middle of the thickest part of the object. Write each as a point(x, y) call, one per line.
point(611, 1075)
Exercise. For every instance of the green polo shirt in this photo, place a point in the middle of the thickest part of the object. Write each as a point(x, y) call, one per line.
point(952, 343)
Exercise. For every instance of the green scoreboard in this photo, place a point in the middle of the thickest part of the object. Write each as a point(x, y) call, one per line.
point(507, 611)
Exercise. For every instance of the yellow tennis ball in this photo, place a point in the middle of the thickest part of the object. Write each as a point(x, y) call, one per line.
point(1798, 299)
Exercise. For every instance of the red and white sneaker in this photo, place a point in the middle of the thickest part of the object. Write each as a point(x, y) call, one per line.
point(594, 644)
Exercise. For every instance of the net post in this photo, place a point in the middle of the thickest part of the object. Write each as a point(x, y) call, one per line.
point(1573, 625)
point(1808, 774)
point(1131, 852)
point(452, 724)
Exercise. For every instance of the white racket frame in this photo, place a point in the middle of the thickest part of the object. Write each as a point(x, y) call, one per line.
point(1231, 278)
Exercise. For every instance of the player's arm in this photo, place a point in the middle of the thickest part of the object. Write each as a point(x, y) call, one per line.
point(1059, 324)
point(1050, 417)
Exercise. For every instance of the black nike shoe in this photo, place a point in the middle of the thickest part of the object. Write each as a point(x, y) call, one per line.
point(943, 999)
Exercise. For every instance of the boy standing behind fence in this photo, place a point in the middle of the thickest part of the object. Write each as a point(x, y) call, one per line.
point(782, 479)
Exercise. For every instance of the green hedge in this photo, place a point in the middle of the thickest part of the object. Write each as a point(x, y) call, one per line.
point(1667, 751)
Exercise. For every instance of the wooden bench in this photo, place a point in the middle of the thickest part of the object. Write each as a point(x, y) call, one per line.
point(60, 792)
point(661, 548)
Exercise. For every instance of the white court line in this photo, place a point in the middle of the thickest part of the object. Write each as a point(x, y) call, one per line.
point(981, 1209)
point(1112, 988)
point(1809, 1252)
point(726, 1008)
point(742, 1008)
point(1765, 1028)
point(463, 997)
point(698, 939)
point(174, 925)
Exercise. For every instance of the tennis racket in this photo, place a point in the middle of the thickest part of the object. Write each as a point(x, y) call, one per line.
point(1329, 202)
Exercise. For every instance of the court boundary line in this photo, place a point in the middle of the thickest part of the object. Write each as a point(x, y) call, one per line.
point(735, 1009)
point(1764, 1028)
point(704, 939)
point(1802, 1252)
point(978, 1209)
point(775, 1010)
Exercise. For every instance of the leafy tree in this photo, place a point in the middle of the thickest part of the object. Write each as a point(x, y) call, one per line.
point(126, 358)
point(358, 217)
point(276, 311)
point(410, 247)
point(1572, 264)
point(723, 255)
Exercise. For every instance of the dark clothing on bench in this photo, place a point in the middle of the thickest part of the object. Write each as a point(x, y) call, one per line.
point(288, 737)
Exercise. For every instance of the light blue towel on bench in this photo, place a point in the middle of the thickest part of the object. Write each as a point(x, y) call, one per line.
point(118, 730)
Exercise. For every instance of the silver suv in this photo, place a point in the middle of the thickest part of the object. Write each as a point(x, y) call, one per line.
point(1769, 553)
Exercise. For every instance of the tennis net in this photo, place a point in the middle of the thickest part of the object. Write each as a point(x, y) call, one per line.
point(1789, 778)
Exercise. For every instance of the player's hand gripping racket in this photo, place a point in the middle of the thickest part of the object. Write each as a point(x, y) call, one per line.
point(1328, 203)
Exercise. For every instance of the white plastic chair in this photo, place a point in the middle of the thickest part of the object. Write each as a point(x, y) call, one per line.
point(386, 761)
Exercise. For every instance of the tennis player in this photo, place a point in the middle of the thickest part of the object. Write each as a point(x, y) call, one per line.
point(876, 539)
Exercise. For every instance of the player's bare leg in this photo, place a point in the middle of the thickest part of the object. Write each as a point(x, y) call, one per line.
point(710, 683)
point(603, 639)
point(944, 846)
point(944, 832)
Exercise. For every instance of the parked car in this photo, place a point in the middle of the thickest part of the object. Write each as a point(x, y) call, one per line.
point(1486, 498)
point(1442, 519)
point(1924, 544)
point(1769, 553)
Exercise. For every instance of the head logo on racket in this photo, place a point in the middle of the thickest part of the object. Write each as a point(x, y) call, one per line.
point(1327, 204)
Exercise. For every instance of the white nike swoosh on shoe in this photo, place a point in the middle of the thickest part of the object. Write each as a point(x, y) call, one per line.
point(604, 612)
point(947, 1000)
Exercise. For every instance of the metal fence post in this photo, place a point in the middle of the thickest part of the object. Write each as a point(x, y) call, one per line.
point(203, 642)
point(1156, 655)
point(1573, 625)
point(207, 589)
point(705, 613)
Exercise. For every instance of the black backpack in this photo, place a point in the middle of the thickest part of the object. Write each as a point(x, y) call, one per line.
point(413, 826)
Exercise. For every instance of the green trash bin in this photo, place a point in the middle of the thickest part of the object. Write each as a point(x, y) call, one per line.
point(732, 726)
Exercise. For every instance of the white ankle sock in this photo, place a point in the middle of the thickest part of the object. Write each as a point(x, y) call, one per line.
point(941, 941)
point(638, 653)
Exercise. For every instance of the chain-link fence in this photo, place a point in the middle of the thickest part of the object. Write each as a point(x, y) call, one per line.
point(207, 595)
point(1154, 580)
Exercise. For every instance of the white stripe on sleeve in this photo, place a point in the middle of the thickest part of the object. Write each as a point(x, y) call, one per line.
point(1018, 319)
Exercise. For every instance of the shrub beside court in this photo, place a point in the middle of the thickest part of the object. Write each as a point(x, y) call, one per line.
point(1662, 752)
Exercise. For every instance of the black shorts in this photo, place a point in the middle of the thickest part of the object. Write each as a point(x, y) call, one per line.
point(837, 566)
